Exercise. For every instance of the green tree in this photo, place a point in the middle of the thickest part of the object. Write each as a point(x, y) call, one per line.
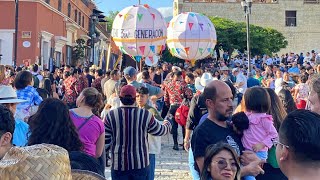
point(78, 52)
point(167, 57)
point(110, 19)
point(232, 35)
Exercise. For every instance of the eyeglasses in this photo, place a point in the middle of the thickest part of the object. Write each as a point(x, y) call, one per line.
point(275, 143)
point(222, 164)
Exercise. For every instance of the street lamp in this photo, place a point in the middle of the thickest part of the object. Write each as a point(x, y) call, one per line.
point(247, 4)
point(95, 17)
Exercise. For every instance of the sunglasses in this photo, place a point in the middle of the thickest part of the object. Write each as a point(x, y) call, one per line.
point(222, 164)
point(275, 143)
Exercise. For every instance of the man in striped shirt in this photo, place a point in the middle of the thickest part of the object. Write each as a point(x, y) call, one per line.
point(127, 129)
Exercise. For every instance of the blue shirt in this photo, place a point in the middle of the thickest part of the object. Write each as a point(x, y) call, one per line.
point(20, 135)
point(251, 82)
point(153, 90)
point(295, 70)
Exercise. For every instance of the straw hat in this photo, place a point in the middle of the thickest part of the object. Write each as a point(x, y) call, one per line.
point(9, 95)
point(41, 161)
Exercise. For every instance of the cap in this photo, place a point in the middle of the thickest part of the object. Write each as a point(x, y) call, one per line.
point(129, 71)
point(128, 90)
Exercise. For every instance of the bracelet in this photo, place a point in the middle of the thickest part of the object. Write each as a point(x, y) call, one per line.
point(186, 141)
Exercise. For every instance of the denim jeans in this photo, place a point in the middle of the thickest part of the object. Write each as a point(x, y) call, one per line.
point(152, 160)
point(135, 174)
point(194, 173)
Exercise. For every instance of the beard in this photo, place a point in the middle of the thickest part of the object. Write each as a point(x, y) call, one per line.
point(222, 117)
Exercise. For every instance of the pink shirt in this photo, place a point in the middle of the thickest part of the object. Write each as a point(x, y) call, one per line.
point(89, 133)
point(261, 130)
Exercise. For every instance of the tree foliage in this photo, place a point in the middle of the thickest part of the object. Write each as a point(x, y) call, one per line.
point(167, 57)
point(78, 52)
point(110, 19)
point(232, 35)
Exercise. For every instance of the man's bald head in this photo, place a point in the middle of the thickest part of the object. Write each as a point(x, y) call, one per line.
point(214, 88)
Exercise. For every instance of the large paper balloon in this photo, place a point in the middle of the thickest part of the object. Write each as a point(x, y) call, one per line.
point(191, 36)
point(140, 31)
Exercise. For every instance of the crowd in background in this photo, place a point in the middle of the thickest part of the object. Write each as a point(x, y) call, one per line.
point(225, 113)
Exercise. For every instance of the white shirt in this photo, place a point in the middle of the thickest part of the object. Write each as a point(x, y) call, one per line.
point(278, 85)
point(307, 59)
point(39, 76)
point(243, 79)
point(269, 61)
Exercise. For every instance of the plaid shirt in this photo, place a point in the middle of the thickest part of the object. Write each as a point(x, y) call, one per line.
point(71, 88)
point(97, 84)
point(176, 91)
point(30, 94)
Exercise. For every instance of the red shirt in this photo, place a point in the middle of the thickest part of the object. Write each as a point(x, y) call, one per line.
point(176, 91)
point(97, 84)
point(71, 88)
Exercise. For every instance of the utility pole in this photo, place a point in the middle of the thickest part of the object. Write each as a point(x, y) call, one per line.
point(247, 4)
point(16, 32)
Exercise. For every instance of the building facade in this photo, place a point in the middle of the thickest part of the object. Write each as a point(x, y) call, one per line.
point(47, 31)
point(298, 20)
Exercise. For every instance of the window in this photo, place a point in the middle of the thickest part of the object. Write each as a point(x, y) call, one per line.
point(76, 15)
point(59, 5)
point(79, 22)
point(83, 21)
point(48, 1)
point(291, 18)
point(69, 9)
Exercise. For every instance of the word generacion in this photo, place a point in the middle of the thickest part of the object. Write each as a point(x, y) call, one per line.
point(138, 34)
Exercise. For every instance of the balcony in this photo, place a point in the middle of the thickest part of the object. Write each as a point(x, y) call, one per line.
point(235, 1)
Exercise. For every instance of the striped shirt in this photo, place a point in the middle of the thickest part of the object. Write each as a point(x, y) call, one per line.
point(127, 129)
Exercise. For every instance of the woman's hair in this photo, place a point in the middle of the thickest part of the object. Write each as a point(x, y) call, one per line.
point(257, 99)
point(46, 85)
point(52, 125)
point(277, 109)
point(145, 75)
point(303, 78)
point(233, 89)
point(212, 151)
point(287, 100)
point(93, 99)
point(23, 79)
point(2, 73)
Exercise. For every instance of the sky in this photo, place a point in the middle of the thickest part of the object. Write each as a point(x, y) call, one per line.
point(164, 6)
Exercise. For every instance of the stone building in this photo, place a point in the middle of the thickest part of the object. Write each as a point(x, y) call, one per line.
point(47, 31)
point(298, 20)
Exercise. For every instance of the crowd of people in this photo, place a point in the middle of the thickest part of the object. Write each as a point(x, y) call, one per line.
point(235, 124)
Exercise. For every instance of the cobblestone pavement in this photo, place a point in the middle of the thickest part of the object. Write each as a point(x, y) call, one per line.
point(170, 164)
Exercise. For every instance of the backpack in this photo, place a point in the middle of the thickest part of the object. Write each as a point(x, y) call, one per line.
point(36, 81)
point(182, 114)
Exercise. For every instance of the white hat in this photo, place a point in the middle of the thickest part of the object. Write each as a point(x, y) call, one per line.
point(176, 68)
point(9, 95)
point(224, 68)
point(235, 70)
point(206, 78)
